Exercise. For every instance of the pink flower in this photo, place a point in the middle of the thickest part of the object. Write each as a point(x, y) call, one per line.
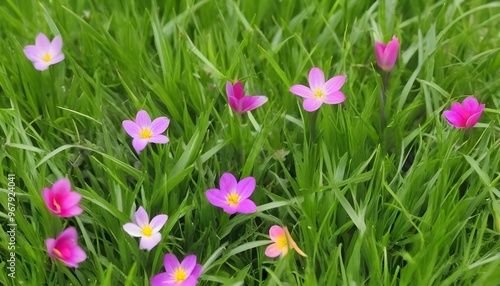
point(464, 115)
point(282, 242)
point(65, 248)
point(241, 103)
point(148, 231)
point(319, 91)
point(144, 131)
point(233, 196)
point(185, 273)
point(387, 55)
point(61, 200)
point(44, 53)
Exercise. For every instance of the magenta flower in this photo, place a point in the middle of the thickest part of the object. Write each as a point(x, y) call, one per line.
point(61, 200)
point(319, 91)
point(185, 273)
point(65, 248)
point(144, 131)
point(387, 55)
point(148, 231)
point(241, 103)
point(44, 53)
point(464, 115)
point(282, 242)
point(233, 196)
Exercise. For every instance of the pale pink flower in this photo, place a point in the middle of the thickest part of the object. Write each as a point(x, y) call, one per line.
point(65, 248)
point(44, 53)
point(144, 131)
point(387, 54)
point(319, 91)
point(464, 115)
point(233, 196)
point(61, 200)
point(185, 273)
point(282, 242)
point(148, 231)
point(241, 103)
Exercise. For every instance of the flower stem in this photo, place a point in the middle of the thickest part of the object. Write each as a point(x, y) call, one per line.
point(383, 95)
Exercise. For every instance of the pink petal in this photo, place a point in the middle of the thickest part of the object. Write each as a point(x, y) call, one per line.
point(42, 43)
point(316, 78)
point(160, 279)
point(171, 263)
point(196, 271)
point(334, 98)
point(246, 207)
point(139, 144)
point(249, 103)
point(379, 53)
point(275, 232)
point(216, 198)
point(470, 105)
point(230, 209)
point(227, 183)
point(238, 90)
point(61, 186)
point(70, 212)
point(149, 242)
point(273, 250)
point(57, 59)
point(334, 84)
point(50, 243)
point(312, 104)
point(69, 199)
point(68, 234)
point(32, 53)
point(235, 104)
point(141, 217)
point(159, 125)
point(159, 139)
point(189, 263)
point(142, 119)
point(133, 229)
point(391, 54)
point(41, 65)
point(472, 120)
point(456, 107)
point(245, 187)
point(77, 255)
point(302, 91)
point(56, 45)
point(454, 119)
point(48, 197)
point(131, 128)
point(229, 89)
point(158, 222)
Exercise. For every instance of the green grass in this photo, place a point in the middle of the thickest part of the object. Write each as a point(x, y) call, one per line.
point(415, 203)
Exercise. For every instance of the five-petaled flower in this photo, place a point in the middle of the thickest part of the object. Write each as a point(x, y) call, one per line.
point(387, 54)
point(44, 53)
point(464, 115)
point(233, 196)
point(148, 231)
point(185, 273)
point(319, 91)
point(144, 131)
point(61, 200)
point(65, 248)
point(282, 242)
point(241, 103)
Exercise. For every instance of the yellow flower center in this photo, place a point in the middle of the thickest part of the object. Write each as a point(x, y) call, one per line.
point(57, 252)
point(180, 275)
point(58, 207)
point(233, 199)
point(319, 93)
point(146, 134)
point(47, 58)
point(282, 242)
point(147, 231)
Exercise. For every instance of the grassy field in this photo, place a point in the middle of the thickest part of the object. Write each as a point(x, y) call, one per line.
point(405, 200)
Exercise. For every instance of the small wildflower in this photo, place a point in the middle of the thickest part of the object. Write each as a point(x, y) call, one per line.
point(144, 131)
point(44, 53)
point(241, 103)
point(464, 115)
point(282, 242)
point(61, 201)
point(148, 231)
point(65, 248)
point(185, 273)
point(387, 54)
point(233, 196)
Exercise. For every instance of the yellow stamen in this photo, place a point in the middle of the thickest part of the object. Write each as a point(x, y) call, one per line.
point(282, 242)
point(58, 207)
point(319, 93)
point(180, 275)
point(146, 134)
point(57, 252)
point(147, 231)
point(47, 58)
point(233, 199)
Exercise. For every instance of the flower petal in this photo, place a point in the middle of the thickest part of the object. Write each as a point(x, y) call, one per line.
point(216, 198)
point(246, 207)
point(275, 232)
point(159, 139)
point(379, 53)
point(160, 279)
point(312, 104)
point(273, 250)
point(238, 90)
point(133, 229)
point(189, 263)
point(149, 242)
point(32, 53)
point(41, 65)
point(69, 199)
point(229, 89)
point(196, 272)
point(302, 91)
point(68, 234)
point(56, 45)
point(159, 125)
point(171, 263)
point(234, 103)
point(158, 222)
point(316, 78)
point(391, 54)
point(245, 187)
point(131, 128)
point(50, 243)
point(42, 43)
point(141, 217)
point(57, 59)
point(61, 186)
point(454, 119)
point(334, 84)
point(249, 103)
point(472, 120)
point(334, 98)
point(139, 144)
point(227, 183)
point(142, 119)
point(72, 211)
point(470, 105)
